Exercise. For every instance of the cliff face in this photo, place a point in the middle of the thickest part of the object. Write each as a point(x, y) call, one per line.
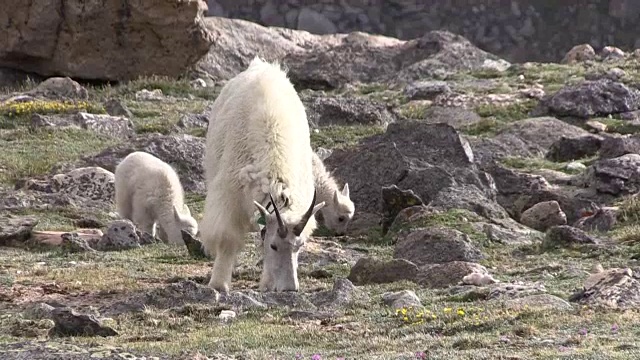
point(524, 30)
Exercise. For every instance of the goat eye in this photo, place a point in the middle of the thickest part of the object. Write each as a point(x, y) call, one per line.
point(341, 218)
point(263, 232)
point(275, 248)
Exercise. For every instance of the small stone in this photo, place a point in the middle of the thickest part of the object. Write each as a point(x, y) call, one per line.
point(575, 167)
point(426, 90)
point(596, 126)
point(16, 228)
point(579, 53)
point(198, 83)
point(374, 271)
point(146, 95)
point(478, 279)
point(447, 274)
point(120, 235)
point(60, 88)
point(70, 323)
point(38, 311)
point(72, 242)
point(115, 107)
point(226, 315)
point(401, 299)
point(565, 235)
point(543, 215)
point(611, 53)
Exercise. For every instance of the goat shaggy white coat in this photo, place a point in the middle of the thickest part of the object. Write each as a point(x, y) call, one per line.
point(149, 193)
point(339, 209)
point(258, 145)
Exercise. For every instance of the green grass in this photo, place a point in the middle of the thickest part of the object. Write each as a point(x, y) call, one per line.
point(532, 164)
point(369, 329)
point(497, 117)
point(334, 137)
point(170, 87)
point(26, 154)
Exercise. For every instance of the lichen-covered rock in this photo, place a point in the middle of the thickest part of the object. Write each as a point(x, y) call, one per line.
point(394, 200)
point(92, 183)
point(617, 288)
point(602, 219)
point(426, 90)
point(120, 235)
point(70, 323)
point(118, 127)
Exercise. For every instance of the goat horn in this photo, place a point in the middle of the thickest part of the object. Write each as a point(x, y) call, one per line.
point(282, 230)
point(297, 230)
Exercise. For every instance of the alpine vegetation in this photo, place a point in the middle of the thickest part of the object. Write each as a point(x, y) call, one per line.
point(148, 192)
point(339, 209)
point(258, 152)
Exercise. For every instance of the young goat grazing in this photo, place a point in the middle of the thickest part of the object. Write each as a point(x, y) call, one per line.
point(339, 208)
point(149, 193)
point(258, 146)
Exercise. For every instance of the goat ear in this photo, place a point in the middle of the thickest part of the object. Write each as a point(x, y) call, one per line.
point(345, 190)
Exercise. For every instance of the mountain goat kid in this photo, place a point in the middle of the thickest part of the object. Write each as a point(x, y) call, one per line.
point(258, 149)
point(149, 193)
point(339, 209)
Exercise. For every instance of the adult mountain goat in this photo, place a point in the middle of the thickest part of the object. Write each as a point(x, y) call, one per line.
point(149, 193)
point(258, 151)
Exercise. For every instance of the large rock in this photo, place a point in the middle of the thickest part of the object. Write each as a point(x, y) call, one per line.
point(591, 99)
point(108, 40)
point(184, 152)
point(362, 58)
point(525, 138)
point(330, 61)
point(617, 288)
point(340, 110)
point(425, 158)
point(544, 215)
point(236, 42)
point(573, 148)
point(436, 245)
point(92, 183)
point(373, 271)
point(613, 147)
point(617, 176)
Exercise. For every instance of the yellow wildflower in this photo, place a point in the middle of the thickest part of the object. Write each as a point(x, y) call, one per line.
point(460, 312)
point(447, 310)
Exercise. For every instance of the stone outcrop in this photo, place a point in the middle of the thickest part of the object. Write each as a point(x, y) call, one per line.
point(106, 40)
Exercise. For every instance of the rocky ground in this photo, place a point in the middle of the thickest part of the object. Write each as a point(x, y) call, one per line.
point(496, 215)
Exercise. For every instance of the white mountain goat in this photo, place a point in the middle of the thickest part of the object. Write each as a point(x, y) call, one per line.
point(149, 193)
point(258, 147)
point(339, 209)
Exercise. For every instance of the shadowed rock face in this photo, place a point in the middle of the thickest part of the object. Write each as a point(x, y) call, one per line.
point(55, 37)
